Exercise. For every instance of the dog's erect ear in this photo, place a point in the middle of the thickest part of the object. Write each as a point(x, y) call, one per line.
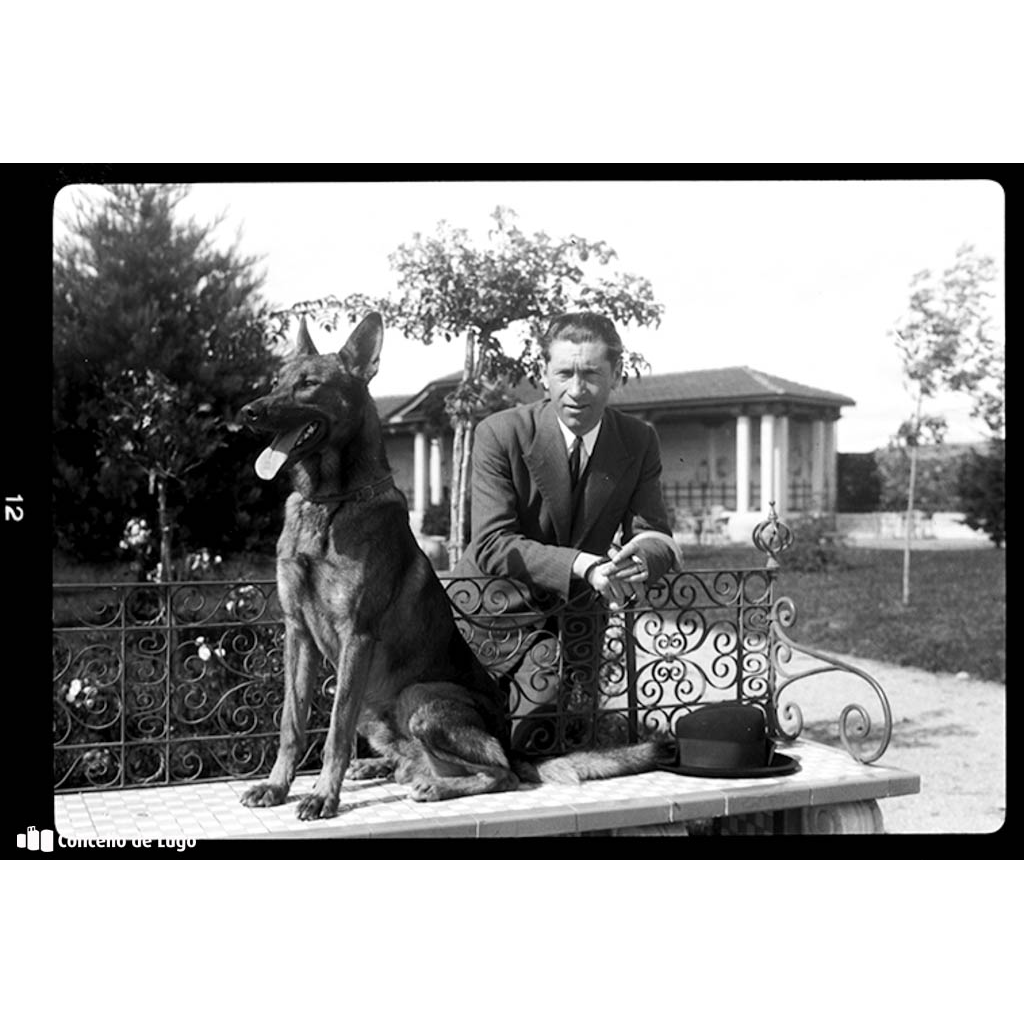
point(361, 353)
point(303, 342)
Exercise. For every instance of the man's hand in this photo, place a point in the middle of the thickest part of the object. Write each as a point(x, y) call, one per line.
point(628, 571)
point(619, 582)
point(651, 552)
point(621, 576)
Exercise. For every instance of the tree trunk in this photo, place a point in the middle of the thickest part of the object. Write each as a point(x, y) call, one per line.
point(464, 492)
point(913, 440)
point(910, 524)
point(456, 495)
point(165, 529)
point(462, 450)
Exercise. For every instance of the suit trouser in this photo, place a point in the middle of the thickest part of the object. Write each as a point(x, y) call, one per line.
point(549, 672)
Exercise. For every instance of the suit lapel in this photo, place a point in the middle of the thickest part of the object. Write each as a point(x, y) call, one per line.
point(604, 471)
point(548, 464)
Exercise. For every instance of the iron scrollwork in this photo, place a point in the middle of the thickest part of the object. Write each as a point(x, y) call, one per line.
point(855, 724)
point(577, 674)
point(772, 537)
point(168, 683)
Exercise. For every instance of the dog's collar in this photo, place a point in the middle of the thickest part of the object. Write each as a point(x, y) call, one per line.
point(359, 494)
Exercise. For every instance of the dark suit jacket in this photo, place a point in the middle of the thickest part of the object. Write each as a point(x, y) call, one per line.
point(523, 522)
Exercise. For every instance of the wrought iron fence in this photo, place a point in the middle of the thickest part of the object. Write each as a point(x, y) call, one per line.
point(168, 682)
point(158, 684)
point(577, 675)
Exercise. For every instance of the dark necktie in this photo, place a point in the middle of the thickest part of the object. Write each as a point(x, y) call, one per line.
point(574, 462)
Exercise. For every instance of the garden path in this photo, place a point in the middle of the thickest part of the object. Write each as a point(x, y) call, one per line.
point(948, 728)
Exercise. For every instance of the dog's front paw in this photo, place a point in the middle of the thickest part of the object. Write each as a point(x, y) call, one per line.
point(264, 794)
point(314, 806)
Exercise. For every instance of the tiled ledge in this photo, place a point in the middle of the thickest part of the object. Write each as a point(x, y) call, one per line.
point(371, 809)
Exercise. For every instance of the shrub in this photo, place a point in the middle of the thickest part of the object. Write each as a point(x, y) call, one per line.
point(816, 547)
point(982, 488)
point(859, 486)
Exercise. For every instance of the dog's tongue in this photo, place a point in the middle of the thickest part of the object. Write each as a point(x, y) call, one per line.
point(275, 455)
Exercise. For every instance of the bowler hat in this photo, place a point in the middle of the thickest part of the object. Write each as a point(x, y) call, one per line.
point(728, 740)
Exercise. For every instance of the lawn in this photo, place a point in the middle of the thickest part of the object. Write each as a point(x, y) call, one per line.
point(956, 620)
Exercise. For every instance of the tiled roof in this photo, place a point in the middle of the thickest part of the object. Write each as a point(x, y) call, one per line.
point(387, 404)
point(729, 384)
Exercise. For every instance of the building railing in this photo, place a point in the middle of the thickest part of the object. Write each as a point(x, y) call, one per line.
point(693, 498)
point(166, 683)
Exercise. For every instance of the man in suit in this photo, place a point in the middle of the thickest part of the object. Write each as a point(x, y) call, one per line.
point(553, 483)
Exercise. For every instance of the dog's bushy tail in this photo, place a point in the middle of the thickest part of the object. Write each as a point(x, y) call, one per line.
point(609, 763)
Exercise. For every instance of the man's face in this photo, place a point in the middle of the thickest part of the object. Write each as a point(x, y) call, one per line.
point(580, 379)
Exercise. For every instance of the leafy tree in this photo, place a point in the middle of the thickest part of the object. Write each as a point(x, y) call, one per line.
point(167, 430)
point(982, 486)
point(919, 378)
point(954, 312)
point(935, 485)
point(449, 287)
point(946, 341)
point(158, 338)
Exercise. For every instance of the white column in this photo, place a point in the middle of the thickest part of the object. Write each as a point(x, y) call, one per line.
point(419, 487)
point(782, 465)
point(436, 491)
point(831, 467)
point(767, 461)
point(818, 499)
point(711, 456)
point(742, 463)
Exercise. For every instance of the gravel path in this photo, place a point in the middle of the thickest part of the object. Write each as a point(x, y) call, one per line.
point(949, 729)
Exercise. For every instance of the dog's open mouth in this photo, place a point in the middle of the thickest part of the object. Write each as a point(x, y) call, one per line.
point(289, 444)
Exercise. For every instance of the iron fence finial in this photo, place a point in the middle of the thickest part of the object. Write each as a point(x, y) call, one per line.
point(772, 536)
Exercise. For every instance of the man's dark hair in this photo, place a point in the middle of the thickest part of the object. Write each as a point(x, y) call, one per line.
point(579, 327)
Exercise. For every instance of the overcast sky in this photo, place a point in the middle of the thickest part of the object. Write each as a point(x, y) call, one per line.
point(802, 279)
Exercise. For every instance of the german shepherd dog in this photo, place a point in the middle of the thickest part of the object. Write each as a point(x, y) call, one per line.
point(356, 588)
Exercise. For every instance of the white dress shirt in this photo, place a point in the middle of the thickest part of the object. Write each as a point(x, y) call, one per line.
point(589, 440)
